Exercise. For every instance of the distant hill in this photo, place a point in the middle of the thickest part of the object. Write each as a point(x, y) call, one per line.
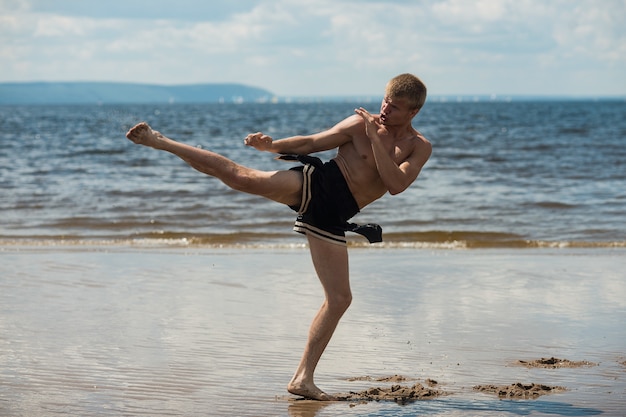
point(119, 93)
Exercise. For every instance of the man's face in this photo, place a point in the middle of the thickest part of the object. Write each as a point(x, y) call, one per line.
point(395, 111)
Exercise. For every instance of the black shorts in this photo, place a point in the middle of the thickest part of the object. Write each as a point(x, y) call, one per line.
point(327, 203)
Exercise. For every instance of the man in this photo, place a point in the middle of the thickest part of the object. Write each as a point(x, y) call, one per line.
point(376, 154)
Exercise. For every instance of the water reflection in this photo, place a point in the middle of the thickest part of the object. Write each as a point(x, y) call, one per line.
point(93, 331)
point(306, 408)
point(442, 407)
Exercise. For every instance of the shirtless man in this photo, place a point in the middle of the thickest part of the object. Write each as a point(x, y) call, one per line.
point(376, 154)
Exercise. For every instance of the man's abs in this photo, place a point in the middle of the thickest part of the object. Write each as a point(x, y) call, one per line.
point(363, 181)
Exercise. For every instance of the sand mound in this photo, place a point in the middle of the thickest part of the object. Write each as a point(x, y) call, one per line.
point(554, 363)
point(519, 390)
point(398, 393)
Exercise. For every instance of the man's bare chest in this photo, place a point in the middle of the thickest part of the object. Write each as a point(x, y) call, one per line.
point(399, 151)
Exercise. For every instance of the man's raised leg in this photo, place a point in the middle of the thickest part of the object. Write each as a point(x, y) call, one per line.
point(331, 264)
point(281, 186)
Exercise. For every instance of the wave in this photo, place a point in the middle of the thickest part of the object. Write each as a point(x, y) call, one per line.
point(484, 240)
point(416, 240)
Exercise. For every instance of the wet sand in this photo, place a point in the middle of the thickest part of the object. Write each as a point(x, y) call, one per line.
point(110, 331)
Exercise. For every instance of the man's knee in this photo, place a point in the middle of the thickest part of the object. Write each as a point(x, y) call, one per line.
point(340, 301)
point(239, 180)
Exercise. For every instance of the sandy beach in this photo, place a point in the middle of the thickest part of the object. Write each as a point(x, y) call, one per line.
point(195, 331)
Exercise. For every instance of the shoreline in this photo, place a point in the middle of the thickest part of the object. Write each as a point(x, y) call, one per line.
point(297, 243)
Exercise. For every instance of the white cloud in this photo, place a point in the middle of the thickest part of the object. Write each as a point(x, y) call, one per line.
point(323, 47)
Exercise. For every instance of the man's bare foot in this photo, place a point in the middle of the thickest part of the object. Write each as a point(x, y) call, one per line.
point(142, 134)
point(309, 391)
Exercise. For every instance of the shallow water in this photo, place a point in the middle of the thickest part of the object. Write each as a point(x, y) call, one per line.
point(110, 330)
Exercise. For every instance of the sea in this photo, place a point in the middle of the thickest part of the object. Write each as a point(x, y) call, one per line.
point(515, 174)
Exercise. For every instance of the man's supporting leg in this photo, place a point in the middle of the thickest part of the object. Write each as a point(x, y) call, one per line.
point(331, 264)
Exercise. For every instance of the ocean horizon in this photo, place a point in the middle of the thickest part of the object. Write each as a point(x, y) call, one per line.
point(106, 92)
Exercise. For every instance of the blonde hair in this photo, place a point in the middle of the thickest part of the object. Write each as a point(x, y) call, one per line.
point(407, 86)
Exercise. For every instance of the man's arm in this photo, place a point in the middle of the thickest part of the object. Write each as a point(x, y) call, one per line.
point(304, 145)
point(396, 178)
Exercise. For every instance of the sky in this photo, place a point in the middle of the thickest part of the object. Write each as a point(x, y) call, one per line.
point(323, 47)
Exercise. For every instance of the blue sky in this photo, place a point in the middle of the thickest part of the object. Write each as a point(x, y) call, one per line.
point(323, 47)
